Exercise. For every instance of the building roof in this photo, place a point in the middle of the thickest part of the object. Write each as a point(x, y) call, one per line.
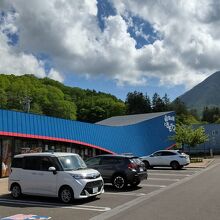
point(130, 119)
point(55, 154)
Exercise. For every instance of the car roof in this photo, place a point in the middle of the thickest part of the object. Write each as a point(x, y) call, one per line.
point(51, 154)
point(174, 151)
point(116, 155)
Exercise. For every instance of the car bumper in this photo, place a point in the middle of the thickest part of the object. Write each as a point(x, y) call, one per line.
point(184, 162)
point(137, 176)
point(88, 188)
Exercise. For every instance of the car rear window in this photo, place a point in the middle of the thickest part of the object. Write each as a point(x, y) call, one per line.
point(32, 163)
point(111, 160)
point(167, 153)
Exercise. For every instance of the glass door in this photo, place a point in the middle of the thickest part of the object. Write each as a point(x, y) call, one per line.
point(6, 157)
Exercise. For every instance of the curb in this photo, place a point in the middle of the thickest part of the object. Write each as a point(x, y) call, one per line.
point(206, 164)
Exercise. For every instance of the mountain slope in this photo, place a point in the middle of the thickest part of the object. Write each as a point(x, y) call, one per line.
point(207, 93)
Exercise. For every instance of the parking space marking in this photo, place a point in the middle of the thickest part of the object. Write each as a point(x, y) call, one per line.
point(55, 205)
point(125, 194)
point(175, 180)
point(152, 185)
point(90, 208)
point(119, 209)
point(174, 171)
point(168, 174)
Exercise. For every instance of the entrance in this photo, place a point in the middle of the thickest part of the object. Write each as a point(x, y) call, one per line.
point(6, 156)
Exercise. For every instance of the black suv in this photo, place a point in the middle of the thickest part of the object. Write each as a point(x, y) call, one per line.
point(120, 170)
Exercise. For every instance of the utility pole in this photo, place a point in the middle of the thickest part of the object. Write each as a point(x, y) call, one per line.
point(27, 103)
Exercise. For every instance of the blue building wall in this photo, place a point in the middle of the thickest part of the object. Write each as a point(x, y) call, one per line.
point(140, 139)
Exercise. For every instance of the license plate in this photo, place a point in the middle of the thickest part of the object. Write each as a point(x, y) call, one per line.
point(141, 169)
point(95, 190)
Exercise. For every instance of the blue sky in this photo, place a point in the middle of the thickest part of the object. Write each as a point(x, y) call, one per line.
point(112, 46)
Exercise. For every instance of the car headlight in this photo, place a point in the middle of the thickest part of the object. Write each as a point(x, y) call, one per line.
point(86, 176)
point(79, 176)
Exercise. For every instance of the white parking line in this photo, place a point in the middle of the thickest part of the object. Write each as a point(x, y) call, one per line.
point(163, 179)
point(55, 205)
point(175, 171)
point(90, 208)
point(125, 194)
point(168, 174)
point(153, 185)
point(125, 206)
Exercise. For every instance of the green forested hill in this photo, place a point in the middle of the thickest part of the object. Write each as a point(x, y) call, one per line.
point(49, 97)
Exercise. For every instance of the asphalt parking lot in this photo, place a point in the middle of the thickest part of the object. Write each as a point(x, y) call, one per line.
point(159, 179)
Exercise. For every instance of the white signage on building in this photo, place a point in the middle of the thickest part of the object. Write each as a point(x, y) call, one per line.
point(169, 122)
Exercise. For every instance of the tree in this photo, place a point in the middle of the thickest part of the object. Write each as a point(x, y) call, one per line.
point(166, 102)
point(3, 98)
point(181, 112)
point(187, 135)
point(210, 115)
point(157, 103)
point(137, 103)
point(148, 104)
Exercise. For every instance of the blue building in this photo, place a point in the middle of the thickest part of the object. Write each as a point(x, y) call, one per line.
point(137, 134)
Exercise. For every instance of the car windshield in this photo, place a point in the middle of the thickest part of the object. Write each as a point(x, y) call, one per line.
point(73, 162)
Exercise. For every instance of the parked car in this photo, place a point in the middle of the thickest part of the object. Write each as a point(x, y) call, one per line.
point(63, 175)
point(120, 170)
point(167, 158)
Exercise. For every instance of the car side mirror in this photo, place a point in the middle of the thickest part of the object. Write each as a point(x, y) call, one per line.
point(151, 155)
point(52, 169)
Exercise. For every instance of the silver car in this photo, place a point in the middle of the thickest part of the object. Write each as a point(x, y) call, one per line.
point(166, 158)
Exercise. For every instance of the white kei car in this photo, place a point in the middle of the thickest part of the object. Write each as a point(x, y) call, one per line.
point(63, 175)
point(166, 158)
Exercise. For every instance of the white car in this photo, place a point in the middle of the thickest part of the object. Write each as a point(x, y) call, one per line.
point(63, 175)
point(167, 158)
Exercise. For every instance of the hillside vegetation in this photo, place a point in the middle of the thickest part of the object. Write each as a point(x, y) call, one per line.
point(49, 97)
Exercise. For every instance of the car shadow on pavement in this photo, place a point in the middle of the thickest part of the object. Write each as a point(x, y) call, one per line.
point(110, 188)
point(23, 201)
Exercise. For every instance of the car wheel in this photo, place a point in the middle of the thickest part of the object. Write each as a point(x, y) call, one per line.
point(16, 191)
point(175, 165)
point(135, 183)
point(147, 164)
point(66, 194)
point(119, 182)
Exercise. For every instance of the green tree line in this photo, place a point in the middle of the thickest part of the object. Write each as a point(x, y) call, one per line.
point(49, 97)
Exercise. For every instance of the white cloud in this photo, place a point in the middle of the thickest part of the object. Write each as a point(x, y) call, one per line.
point(190, 45)
point(18, 62)
point(68, 32)
point(53, 74)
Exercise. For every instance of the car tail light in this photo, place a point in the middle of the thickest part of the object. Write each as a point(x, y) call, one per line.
point(132, 166)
